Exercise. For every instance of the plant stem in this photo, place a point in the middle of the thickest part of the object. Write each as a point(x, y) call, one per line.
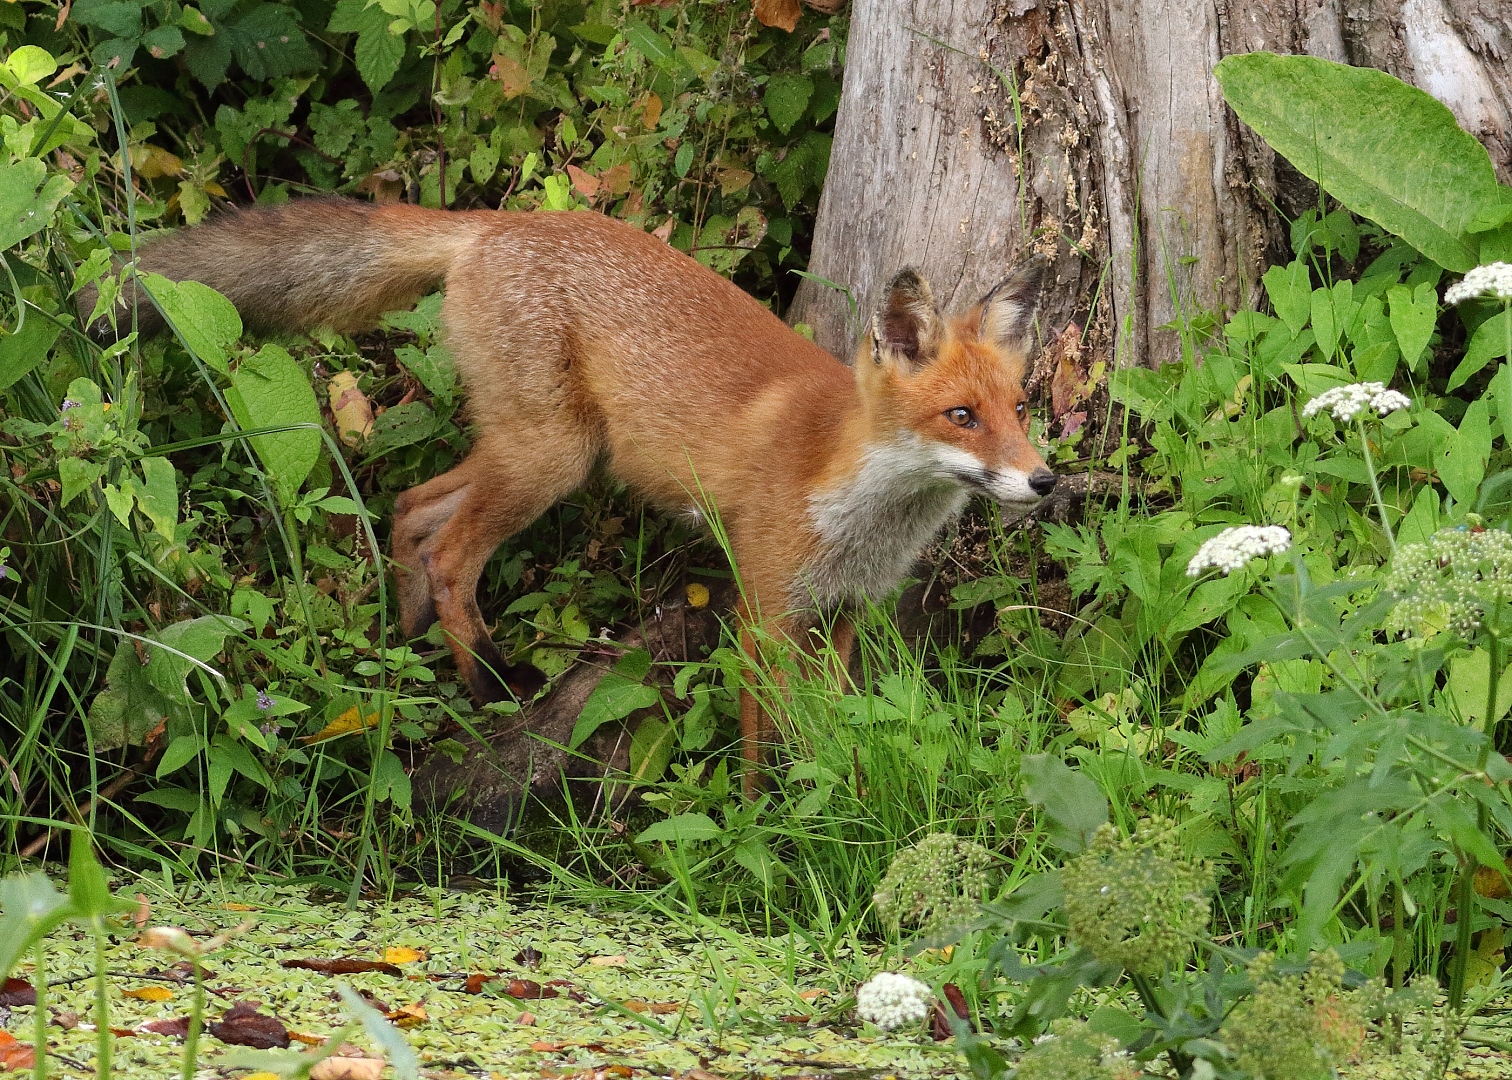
point(1182, 1062)
point(1465, 893)
point(1375, 484)
point(1401, 955)
point(102, 1002)
point(196, 1019)
point(39, 1013)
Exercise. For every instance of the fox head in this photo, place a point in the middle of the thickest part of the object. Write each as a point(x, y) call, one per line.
point(950, 392)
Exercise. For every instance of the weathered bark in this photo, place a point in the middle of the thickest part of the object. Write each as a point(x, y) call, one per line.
point(972, 132)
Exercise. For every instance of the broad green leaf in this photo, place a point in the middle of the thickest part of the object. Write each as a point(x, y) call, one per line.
point(787, 96)
point(1386, 150)
point(1470, 687)
point(75, 475)
point(1413, 315)
point(651, 749)
point(268, 390)
point(201, 638)
point(181, 751)
point(1290, 291)
point(614, 698)
point(29, 65)
point(206, 320)
point(653, 46)
point(1073, 804)
point(31, 909)
point(28, 197)
point(157, 497)
point(130, 706)
point(89, 892)
point(390, 782)
point(20, 353)
point(1464, 464)
point(1491, 340)
point(679, 828)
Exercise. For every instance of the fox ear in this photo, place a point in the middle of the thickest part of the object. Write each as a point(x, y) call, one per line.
point(1008, 310)
point(907, 323)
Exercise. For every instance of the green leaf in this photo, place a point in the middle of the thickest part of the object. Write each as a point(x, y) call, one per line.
point(1488, 343)
point(680, 828)
point(268, 390)
point(1464, 463)
point(201, 638)
point(75, 475)
point(1073, 804)
point(787, 96)
point(403, 425)
point(158, 496)
point(20, 353)
point(614, 698)
point(181, 751)
point(401, 1056)
point(1290, 291)
point(1386, 150)
point(653, 46)
point(28, 197)
point(32, 909)
point(129, 707)
point(206, 321)
point(651, 749)
point(1413, 315)
point(88, 889)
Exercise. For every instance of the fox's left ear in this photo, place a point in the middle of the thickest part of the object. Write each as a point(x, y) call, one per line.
point(1008, 310)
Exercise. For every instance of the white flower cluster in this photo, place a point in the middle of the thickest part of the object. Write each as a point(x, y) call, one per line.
point(1347, 402)
point(892, 1000)
point(1452, 580)
point(1231, 549)
point(1493, 280)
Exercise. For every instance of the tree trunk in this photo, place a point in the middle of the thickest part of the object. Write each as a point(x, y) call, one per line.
point(974, 132)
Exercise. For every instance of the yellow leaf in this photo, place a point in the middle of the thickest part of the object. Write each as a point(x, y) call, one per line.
point(153, 162)
point(618, 960)
point(239, 907)
point(402, 954)
point(351, 408)
point(783, 13)
point(698, 596)
point(149, 993)
point(262, 1076)
point(650, 106)
point(344, 724)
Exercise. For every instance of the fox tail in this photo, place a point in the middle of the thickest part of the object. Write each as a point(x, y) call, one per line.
point(312, 263)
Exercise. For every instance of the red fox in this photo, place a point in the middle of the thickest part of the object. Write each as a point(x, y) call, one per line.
point(583, 341)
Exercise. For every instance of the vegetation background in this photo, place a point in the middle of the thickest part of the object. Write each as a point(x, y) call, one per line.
point(202, 670)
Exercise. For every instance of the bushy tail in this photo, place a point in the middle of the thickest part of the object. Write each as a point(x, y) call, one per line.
point(311, 263)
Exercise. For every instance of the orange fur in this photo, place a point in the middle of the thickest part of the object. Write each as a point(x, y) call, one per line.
point(583, 341)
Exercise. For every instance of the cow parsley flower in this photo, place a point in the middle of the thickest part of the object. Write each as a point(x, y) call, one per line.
point(1231, 549)
point(1347, 402)
point(892, 1000)
point(1494, 280)
point(1135, 901)
point(1452, 580)
point(1072, 1051)
point(1296, 1027)
point(936, 883)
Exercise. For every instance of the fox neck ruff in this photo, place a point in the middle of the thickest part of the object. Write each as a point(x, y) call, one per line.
point(873, 526)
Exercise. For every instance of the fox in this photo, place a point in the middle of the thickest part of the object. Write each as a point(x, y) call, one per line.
point(587, 343)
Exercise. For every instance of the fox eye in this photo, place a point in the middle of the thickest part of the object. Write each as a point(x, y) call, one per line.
point(1019, 410)
point(961, 416)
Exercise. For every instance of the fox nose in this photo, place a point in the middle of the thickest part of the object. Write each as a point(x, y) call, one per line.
point(1042, 480)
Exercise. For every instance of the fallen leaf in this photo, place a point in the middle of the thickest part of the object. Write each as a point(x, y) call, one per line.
point(351, 408)
point(153, 162)
point(17, 1056)
point(262, 1076)
point(586, 183)
point(346, 1068)
point(1069, 384)
point(408, 1016)
point(149, 993)
point(17, 992)
point(618, 960)
point(306, 1038)
point(176, 1028)
point(403, 954)
point(341, 966)
point(663, 232)
point(143, 911)
point(526, 1019)
point(616, 181)
point(529, 990)
point(243, 1025)
point(542, 1047)
point(528, 957)
point(67, 1019)
point(810, 995)
point(637, 1006)
point(665, 1008)
point(780, 13)
point(477, 981)
point(795, 1018)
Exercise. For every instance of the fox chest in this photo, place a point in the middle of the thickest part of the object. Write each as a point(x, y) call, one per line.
point(870, 539)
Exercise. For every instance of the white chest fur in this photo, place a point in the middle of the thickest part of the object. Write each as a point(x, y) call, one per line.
point(873, 527)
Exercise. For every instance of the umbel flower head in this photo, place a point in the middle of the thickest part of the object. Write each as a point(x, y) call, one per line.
point(1494, 280)
point(1231, 549)
point(1347, 402)
point(1135, 901)
point(935, 884)
point(1451, 581)
point(892, 1000)
point(1072, 1051)
point(1295, 1027)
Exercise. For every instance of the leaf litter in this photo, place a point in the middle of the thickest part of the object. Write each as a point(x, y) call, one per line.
point(482, 985)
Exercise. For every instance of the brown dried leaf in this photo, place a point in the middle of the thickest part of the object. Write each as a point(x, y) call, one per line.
point(17, 992)
point(529, 990)
point(353, 413)
point(176, 1028)
point(586, 183)
point(780, 13)
point(1069, 378)
point(243, 1025)
point(341, 966)
point(529, 958)
point(347, 1068)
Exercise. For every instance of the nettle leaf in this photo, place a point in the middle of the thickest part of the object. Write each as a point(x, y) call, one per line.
point(378, 53)
point(119, 18)
point(1386, 150)
point(787, 96)
point(1073, 804)
point(269, 390)
point(206, 321)
point(28, 197)
point(268, 42)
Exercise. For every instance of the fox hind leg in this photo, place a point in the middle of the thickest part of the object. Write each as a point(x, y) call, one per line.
point(446, 530)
